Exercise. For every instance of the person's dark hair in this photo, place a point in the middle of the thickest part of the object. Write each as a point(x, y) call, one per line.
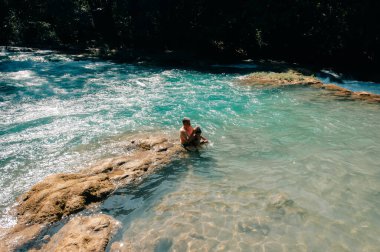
point(198, 130)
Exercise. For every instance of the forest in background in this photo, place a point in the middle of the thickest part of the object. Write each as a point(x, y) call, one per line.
point(343, 34)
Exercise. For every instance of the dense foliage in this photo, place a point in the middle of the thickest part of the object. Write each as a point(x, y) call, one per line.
point(338, 32)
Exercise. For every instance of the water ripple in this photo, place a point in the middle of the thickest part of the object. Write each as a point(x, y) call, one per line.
point(317, 157)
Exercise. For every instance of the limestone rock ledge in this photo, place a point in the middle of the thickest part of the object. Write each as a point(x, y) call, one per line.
point(289, 78)
point(346, 94)
point(60, 195)
point(85, 233)
point(294, 78)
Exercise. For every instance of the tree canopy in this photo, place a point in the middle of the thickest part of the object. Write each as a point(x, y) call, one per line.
point(339, 32)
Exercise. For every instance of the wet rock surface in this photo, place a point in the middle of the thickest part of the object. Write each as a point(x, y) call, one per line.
point(294, 78)
point(60, 195)
point(89, 233)
point(343, 93)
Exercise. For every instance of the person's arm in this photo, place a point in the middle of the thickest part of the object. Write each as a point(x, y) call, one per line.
point(183, 137)
point(205, 140)
point(186, 139)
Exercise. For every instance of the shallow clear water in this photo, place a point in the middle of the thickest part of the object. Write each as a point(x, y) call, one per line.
point(286, 170)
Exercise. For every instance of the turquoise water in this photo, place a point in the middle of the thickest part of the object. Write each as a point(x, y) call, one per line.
point(286, 170)
point(353, 85)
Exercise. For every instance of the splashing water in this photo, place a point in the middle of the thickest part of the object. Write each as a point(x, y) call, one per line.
point(286, 170)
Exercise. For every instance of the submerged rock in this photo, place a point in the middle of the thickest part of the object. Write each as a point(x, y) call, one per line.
point(122, 247)
point(279, 200)
point(90, 233)
point(60, 195)
point(280, 206)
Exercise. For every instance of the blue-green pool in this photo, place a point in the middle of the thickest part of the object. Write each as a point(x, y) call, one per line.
point(60, 113)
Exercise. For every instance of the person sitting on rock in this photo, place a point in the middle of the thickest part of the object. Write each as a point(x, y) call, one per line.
point(190, 136)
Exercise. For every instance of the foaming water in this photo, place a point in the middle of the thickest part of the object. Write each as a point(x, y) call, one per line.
point(286, 170)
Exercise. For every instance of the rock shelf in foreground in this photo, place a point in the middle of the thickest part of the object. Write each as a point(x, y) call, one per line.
point(60, 195)
point(294, 78)
point(84, 233)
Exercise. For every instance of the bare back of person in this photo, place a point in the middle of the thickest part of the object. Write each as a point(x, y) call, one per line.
point(185, 134)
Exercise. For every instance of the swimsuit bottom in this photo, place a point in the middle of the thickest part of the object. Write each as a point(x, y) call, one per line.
point(192, 143)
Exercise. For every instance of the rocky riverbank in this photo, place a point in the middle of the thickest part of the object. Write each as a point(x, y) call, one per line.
point(61, 195)
point(295, 78)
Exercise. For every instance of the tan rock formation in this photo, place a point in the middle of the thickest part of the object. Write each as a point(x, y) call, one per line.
point(288, 78)
point(341, 92)
point(294, 78)
point(89, 233)
point(60, 195)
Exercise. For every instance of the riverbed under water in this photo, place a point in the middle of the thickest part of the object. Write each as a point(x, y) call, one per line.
point(287, 169)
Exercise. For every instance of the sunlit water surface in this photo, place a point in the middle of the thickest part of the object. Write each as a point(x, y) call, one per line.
point(286, 170)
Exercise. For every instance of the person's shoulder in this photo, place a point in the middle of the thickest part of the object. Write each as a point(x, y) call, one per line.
point(182, 129)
